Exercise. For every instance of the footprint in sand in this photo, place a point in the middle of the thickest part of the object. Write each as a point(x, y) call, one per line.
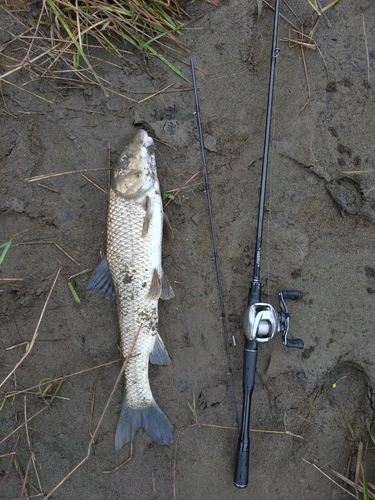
point(336, 422)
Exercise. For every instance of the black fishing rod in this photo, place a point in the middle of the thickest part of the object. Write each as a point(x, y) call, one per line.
point(261, 321)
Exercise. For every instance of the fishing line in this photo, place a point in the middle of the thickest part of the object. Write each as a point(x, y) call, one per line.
point(270, 179)
point(214, 245)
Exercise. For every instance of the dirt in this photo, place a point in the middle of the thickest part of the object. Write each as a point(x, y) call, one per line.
point(318, 239)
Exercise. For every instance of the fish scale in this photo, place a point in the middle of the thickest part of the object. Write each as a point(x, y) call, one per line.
point(132, 260)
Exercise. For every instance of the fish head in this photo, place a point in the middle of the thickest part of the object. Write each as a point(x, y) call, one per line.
point(135, 173)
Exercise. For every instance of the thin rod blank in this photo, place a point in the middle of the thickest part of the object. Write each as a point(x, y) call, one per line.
point(214, 246)
point(267, 136)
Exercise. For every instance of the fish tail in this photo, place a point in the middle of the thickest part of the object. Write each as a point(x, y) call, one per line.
point(151, 418)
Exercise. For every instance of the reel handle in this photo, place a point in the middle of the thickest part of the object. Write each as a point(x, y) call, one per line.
point(290, 294)
point(294, 343)
point(284, 319)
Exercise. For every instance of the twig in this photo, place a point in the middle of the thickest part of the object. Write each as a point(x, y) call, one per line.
point(92, 410)
point(177, 191)
point(60, 379)
point(48, 188)
point(94, 184)
point(11, 279)
point(371, 495)
point(358, 469)
point(213, 426)
point(156, 93)
point(47, 176)
point(49, 242)
point(92, 439)
point(122, 463)
point(366, 45)
point(24, 480)
point(32, 342)
point(32, 455)
point(328, 477)
point(352, 172)
point(21, 425)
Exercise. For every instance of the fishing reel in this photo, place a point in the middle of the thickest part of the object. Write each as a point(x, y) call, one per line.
point(262, 322)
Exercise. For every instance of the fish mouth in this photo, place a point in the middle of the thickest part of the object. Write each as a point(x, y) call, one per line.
point(136, 171)
point(145, 138)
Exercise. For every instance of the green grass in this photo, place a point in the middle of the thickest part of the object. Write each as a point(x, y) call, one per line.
point(66, 32)
point(71, 286)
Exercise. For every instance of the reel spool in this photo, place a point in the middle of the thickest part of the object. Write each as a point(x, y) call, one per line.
point(262, 322)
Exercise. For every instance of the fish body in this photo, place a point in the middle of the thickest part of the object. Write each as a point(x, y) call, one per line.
point(134, 262)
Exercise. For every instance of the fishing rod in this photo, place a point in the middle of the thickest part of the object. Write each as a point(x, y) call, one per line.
point(214, 246)
point(261, 321)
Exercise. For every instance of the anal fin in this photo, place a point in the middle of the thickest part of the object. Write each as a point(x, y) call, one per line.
point(166, 289)
point(167, 228)
point(159, 355)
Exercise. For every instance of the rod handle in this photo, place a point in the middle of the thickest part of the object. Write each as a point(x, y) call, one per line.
point(241, 472)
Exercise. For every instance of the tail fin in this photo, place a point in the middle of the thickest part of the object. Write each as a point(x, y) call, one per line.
point(151, 418)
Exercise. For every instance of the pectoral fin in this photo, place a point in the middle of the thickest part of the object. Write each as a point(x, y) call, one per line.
point(101, 280)
point(148, 216)
point(155, 287)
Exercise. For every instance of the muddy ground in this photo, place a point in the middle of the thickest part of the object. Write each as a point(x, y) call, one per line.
point(319, 239)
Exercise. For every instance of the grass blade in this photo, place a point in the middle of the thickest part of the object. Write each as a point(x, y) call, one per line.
point(5, 247)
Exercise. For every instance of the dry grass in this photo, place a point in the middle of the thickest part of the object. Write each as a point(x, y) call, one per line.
point(58, 35)
point(360, 487)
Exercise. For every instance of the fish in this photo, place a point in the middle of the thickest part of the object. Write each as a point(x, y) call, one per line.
point(132, 272)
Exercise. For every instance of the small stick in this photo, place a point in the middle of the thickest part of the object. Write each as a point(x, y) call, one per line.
point(328, 477)
point(92, 410)
point(177, 191)
point(59, 379)
point(22, 425)
point(49, 242)
point(214, 426)
point(99, 423)
point(48, 188)
point(24, 480)
point(12, 279)
point(366, 45)
point(30, 344)
point(122, 463)
point(32, 454)
point(156, 93)
point(94, 184)
point(8, 454)
point(58, 174)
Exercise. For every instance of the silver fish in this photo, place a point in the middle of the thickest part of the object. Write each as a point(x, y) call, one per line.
point(132, 270)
